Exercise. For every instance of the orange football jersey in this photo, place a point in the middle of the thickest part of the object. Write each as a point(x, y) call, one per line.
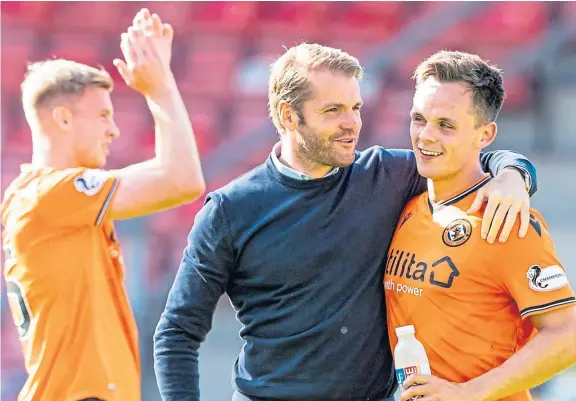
point(64, 278)
point(467, 299)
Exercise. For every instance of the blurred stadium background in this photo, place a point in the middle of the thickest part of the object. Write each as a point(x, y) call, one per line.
point(221, 54)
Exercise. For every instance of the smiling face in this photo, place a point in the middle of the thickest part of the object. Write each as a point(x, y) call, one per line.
point(444, 131)
point(325, 131)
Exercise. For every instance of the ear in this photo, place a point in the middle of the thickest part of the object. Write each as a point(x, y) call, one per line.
point(288, 116)
point(489, 132)
point(62, 117)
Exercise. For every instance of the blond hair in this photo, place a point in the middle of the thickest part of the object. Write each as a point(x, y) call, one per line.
point(482, 79)
point(51, 79)
point(289, 75)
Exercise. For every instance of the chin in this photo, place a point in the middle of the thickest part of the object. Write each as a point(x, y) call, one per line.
point(344, 161)
point(429, 173)
point(96, 164)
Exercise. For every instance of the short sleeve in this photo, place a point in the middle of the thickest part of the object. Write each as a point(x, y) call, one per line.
point(77, 196)
point(533, 275)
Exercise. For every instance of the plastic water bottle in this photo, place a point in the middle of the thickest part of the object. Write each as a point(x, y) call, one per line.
point(409, 355)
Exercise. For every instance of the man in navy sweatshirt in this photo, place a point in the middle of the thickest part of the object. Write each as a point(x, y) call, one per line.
point(299, 245)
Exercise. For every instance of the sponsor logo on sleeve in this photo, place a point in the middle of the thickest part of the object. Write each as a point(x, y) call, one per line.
point(90, 182)
point(549, 278)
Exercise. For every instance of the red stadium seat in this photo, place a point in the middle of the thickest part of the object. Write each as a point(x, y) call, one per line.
point(15, 56)
point(83, 48)
point(206, 117)
point(223, 17)
point(304, 19)
point(29, 13)
point(90, 16)
point(209, 73)
point(374, 21)
point(248, 114)
point(508, 22)
point(19, 141)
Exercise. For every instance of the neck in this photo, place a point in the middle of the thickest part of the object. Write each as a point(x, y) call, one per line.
point(289, 156)
point(443, 189)
point(46, 154)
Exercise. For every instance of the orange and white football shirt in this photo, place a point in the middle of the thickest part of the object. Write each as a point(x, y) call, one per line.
point(64, 278)
point(468, 300)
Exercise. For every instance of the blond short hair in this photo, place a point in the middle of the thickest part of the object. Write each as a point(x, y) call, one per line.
point(51, 79)
point(482, 79)
point(289, 75)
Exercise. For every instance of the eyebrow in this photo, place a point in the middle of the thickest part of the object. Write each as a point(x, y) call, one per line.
point(440, 119)
point(339, 105)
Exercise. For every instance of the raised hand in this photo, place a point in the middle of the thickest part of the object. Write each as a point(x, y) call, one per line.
point(147, 50)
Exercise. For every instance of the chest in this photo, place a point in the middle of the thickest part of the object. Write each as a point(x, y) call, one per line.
point(444, 259)
point(309, 240)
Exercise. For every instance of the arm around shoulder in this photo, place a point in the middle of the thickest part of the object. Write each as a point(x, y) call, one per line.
point(498, 160)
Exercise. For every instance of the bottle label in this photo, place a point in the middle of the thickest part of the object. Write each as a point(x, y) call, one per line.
point(404, 373)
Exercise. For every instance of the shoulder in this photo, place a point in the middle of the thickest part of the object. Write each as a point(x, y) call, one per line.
point(378, 155)
point(242, 191)
point(536, 240)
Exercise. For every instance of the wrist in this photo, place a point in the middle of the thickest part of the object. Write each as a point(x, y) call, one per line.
point(165, 90)
point(524, 175)
point(475, 391)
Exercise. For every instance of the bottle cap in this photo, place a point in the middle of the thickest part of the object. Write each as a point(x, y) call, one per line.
point(401, 331)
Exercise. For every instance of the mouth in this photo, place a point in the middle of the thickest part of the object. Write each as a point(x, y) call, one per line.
point(429, 154)
point(348, 141)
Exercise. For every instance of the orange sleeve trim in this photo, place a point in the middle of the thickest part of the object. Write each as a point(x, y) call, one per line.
point(107, 202)
point(550, 305)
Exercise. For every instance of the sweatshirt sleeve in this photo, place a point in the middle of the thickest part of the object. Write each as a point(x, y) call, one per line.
point(402, 167)
point(200, 282)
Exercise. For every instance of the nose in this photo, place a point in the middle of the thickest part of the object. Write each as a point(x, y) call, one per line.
point(427, 134)
point(113, 130)
point(351, 120)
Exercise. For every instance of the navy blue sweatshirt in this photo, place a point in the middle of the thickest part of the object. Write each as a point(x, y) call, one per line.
point(302, 263)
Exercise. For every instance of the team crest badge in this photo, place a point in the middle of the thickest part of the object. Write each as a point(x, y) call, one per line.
point(457, 233)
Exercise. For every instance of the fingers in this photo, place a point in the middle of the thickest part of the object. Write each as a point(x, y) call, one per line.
point(127, 51)
point(415, 379)
point(139, 46)
point(167, 31)
point(140, 18)
point(493, 201)
point(415, 391)
point(510, 221)
point(524, 220)
point(478, 201)
point(498, 219)
point(122, 69)
point(156, 24)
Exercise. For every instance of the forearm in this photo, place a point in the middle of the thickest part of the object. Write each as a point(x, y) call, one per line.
point(175, 363)
point(550, 352)
point(176, 152)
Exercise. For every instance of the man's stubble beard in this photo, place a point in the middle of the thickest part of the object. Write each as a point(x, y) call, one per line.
point(316, 151)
